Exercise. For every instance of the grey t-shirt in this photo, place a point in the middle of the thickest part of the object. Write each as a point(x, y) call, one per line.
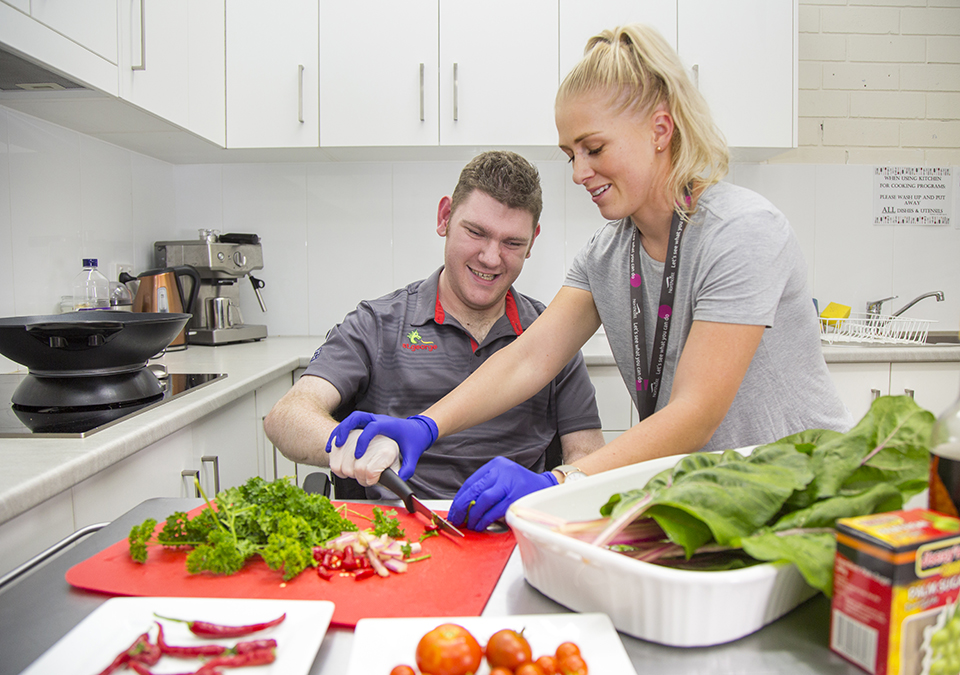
point(399, 354)
point(739, 263)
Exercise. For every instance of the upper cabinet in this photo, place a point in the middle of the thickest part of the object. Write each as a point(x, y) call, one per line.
point(172, 62)
point(432, 72)
point(273, 72)
point(743, 54)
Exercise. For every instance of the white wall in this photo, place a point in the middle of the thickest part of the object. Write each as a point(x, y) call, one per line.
point(879, 84)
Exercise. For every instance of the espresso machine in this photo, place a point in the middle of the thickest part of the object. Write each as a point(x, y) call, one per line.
point(222, 260)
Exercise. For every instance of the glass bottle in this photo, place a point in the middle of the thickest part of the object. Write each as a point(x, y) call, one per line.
point(945, 462)
point(91, 290)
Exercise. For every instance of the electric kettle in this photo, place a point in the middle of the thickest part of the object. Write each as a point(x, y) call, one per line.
point(160, 291)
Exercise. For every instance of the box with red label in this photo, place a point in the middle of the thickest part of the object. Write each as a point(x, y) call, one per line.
point(896, 583)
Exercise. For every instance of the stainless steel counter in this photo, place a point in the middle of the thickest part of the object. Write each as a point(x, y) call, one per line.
point(39, 608)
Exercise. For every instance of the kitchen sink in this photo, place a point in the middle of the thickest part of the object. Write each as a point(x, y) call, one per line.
point(934, 339)
point(945, 337)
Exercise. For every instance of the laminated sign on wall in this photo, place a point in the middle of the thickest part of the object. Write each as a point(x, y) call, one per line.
point(905, 195)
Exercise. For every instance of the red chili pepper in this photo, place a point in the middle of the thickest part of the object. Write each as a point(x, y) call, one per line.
point(141, 669)
point(257, 658)
point(253, 646)
point(207, 629)
point(187, 652)
point(124, 657)
point(349, 562)
point(324, 573)
point(364, 573)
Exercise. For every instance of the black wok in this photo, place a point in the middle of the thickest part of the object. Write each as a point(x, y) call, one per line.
point(88, 342)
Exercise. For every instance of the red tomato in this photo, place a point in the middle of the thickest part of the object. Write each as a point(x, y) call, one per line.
point(509, 649)
point(566, 649)
point(529, 668)
point(449, 649)
point(548, 664)
point(499, 670)
point(403, 670)
point(572, 664)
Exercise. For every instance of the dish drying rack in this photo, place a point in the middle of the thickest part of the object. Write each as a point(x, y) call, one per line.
point(875, 329)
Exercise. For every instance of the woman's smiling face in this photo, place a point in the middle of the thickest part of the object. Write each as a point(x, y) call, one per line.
point(614, 155)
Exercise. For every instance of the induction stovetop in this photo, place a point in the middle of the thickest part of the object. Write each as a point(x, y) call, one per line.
point(82, 424)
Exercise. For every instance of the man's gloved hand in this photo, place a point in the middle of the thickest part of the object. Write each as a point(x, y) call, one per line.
point(414, 435)
point(494, 487)
point(382, 453)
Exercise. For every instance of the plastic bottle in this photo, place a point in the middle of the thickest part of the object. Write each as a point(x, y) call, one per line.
point(945, 464)
point(91, 290)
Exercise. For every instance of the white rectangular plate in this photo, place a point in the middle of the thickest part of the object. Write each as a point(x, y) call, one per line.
point(114, 625)
point(381, 644)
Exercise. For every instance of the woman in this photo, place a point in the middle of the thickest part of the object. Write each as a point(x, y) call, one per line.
point(700, 287)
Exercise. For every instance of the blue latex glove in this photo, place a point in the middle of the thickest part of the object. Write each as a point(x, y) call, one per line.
point(494, 487)
point(414, 435)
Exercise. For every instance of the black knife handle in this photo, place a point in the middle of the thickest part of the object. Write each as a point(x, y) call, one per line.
point(390, 480)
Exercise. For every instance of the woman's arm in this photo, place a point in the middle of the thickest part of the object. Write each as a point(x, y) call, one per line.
point(520, 370)
point(712, 365)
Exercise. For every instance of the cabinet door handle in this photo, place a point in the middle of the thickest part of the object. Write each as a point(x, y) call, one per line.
point(874, 394)
point(195, 475)
point(143, 40)
point(300, 93)
point(909, 392)
point(215, 460)
point(696, 75)
point(421, 92)
point(456, 93)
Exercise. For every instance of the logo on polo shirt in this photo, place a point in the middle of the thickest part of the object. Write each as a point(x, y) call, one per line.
point(415, 342)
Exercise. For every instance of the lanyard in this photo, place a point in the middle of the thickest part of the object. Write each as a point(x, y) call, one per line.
point(648, 381)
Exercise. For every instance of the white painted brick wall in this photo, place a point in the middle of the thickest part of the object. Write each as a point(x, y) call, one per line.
point(879, 82)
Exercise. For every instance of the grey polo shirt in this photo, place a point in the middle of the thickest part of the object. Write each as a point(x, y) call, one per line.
point(399, 354)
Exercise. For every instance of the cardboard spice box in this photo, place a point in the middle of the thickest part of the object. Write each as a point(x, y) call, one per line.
point(896, 587)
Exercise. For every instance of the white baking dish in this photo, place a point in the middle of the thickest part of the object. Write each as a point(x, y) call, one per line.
point(673, 607)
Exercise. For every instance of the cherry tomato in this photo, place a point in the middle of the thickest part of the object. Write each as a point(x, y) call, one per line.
point(499, 670)
point(403, 670)
point(529, 668)
point(566, 649)
point(572, 664)
point(449, 649)
point(509, 649)
point(548, 664)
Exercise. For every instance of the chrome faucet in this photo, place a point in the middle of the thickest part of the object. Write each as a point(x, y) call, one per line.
point(873, 307)
point(932, 294)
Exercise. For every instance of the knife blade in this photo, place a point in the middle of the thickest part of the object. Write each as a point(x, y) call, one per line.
point(390, 480)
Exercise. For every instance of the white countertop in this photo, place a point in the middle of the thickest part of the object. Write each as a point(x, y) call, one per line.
point(36, 469)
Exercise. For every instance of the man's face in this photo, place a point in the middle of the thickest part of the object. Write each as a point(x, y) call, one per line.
point(486, 244)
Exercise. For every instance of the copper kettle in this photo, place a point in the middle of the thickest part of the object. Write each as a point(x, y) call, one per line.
point(160, 291)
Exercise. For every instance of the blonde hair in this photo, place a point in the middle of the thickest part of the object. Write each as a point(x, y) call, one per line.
point(640, 71)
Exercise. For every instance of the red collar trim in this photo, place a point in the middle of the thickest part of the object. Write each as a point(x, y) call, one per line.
point(510, 309)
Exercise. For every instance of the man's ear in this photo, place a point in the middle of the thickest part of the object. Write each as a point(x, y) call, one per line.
point(443, 216)
point(536, 233)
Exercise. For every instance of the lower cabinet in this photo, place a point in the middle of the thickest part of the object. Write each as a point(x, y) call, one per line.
point(934, 385)
point(273, 464)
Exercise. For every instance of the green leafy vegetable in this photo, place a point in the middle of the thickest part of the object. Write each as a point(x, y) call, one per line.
point(385, 522)
point(781, 502)
point(275, 520)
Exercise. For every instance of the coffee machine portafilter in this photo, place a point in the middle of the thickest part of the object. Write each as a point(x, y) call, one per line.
point(222, 260)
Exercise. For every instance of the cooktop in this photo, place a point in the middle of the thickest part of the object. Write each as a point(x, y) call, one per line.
point(80, 423)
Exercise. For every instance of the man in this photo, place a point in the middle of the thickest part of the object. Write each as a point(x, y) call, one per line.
point(400, 353)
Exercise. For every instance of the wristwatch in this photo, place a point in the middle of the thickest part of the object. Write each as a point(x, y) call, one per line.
point(570, 472)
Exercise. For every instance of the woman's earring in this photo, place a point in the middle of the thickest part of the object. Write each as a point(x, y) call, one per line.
point(659, 149)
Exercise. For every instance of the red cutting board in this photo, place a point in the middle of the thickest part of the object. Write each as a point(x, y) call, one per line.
point(456, 580)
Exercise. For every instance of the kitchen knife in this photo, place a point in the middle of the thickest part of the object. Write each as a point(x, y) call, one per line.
point(390, 480)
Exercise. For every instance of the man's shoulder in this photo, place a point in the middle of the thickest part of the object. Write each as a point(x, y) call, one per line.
point(527, 304)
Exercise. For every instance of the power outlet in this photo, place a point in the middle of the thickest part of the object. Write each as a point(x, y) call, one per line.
point(120, 268)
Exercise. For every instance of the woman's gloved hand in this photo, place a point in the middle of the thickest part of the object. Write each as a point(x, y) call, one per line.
point(494, 487)
point(382, 453)
point(414, 435)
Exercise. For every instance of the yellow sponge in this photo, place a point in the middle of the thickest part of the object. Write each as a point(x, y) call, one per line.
point(835, 311)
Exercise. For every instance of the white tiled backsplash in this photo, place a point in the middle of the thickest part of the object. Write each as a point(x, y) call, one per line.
point(334, 233)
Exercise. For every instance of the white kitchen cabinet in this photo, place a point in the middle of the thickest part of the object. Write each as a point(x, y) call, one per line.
point(579, 21)
point(489, 73)
point(273, 72)
point(744, 57)
point(934, 386)
point(172, 62)
point(91, 24)
point(385, 94)
point(38, 529)
point(273, 464)
point(76, 51)
point(228, 439)
point(860, 383)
